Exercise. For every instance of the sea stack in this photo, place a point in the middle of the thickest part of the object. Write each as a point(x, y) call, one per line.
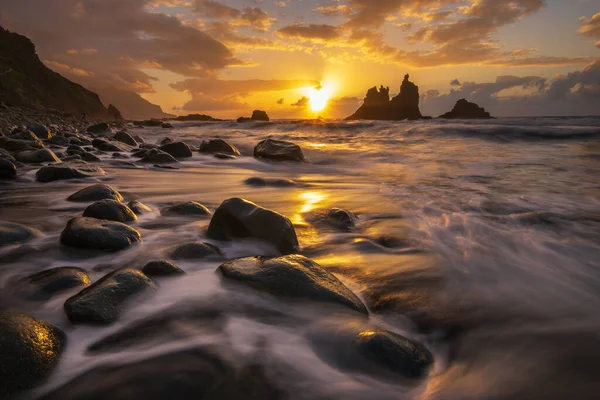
point(378, 106)
point(464, 109)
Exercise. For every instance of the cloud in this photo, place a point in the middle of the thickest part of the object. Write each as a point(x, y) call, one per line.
point(250, 16)
point(280, 101)
point(206, 103)
point(591, 28)
point(310, 32)
point(302, 102)
point(218, 87)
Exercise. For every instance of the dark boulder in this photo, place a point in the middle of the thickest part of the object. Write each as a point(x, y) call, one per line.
point(158, 156)
point(37, 156)
point(166, 140)
point(30, 351)
point(269, 182)
point(4, 154)
point(139, 139)
point(19, 145)
point(196, 250)
point(75, 149)
point(90, 157)
point(187, 208)
point(337, 218)
point(138, 207)
point(166, 125)
point(106, 145)
point(110, 210)
point(63, 171)
point(292, 276)
point(95, 193)
point(26, 135)
point(177, 149)
point(40, 131)
point(161, 268)
point(222, 156)
point(215, 146)
point(104, 301)
point(92, 233)
point(13, 233)
point(397, 353)
point(100, 128)
point(50, 282)
point(239, 218)
point(8, 170)
point(259, 115)
point(278, 150)
point(126, 138)
point(464, 109)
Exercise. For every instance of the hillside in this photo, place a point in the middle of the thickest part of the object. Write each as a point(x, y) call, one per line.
point(131, 104)
point(26, 82)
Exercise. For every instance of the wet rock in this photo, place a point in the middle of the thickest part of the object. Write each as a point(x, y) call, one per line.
point(158, 156)
point(26, 135)
point(395, 352)
point(63, 171)
point(74, 157)
point(75, 149)
point(92, 233)
point(95, 193)
point(292, 276)
point(19, 145)
point(262, 182)
point(119, 155)
point(138, 207)
point(342, 220)
point(259, 115)
point(41, 131)
point(12, 233)
point(56, 280)
point(126, 138)
point(90, 157)
point(187, 208)
point(279, 150)
point(464, 109)
point(4, 154)
point(37, 156)
point(161, 268)
point(8, 170)
point(196, 250)
point(100, 128)
point(110, 210)
point(106, 145)
point(166, 125)
point(177, 149)
point(104, 301)
point(30, 351)
point(141, 153)
point(166, 140)
point(239, 218)
point(222, 156)
point(216, 146)
point(139, 139)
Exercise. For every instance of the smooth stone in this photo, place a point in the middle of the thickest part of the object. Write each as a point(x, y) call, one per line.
point(110, 210)
point(139, 139)
point(138, 207)
point(56, 280)
point(161, 268)
point(260, 182)
point(395, 352)
point(278, 150)
point(177, 149)
point(105, 145)
point(96, 192)
point(239, 218)
point(30, 350)
point(166, 140)
point(141, 153)
point(196, 250)
point(92, 233)
point(102, 127)
point(64, 171)
point(4, 154)
point(74, 157)
point(19, 145)
point(222, 156)
point(126, 138)
point(218, 146)
point(75, 149)
point(292, 276)
point(158, 156)
point(40, 131)
point(26, 135)
point(166, 125)
point(341, 219)
point(90, 157)
point(37, 156)
point(187, 208)
point(13, 233)
point(104, 301)
point(8, 170)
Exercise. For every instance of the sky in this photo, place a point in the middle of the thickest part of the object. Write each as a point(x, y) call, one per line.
point(310, 58)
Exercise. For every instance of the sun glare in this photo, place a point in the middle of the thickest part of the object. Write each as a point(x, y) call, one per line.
point(319, 97)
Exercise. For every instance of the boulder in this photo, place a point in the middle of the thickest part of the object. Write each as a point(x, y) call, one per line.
point(104, 301)
point(222, 156)
point(278, 150)
point(187, 208)
point(259, 115)
point(4, 154)
point(106, 145)
point(395, 352)
point(161, 268)
point(464, 109)
point(19, 145)
point(96, 192)
point(50, 282)
point(40, 131)
point(92, 233)
point(126, 138)
point(64, 171)
point(166, 125)
point(110, 210)
point(177, 149)
point(37, 156)
point(239, 218)
point(340, 219)
point(13, 233)
point(30, 351)
point(139, 139)
point(216, 146)
point(8, 170)
point(90, 157)
point(292, 276)
point(25, 135)
point(196, 250)
point(166, 140)
point(158, 156)
point(100, 128)
point(138, 207)
point(272, 182)
point(75, 149)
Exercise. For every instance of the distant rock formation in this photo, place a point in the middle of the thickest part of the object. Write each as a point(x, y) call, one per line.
point(378, 106)
point(132, 105)
point(196, 117)
point(257, 115)
point(464, 109)
point(114, 111)
point(26, 82)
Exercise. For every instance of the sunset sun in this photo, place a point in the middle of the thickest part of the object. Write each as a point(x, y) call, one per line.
point(319, 97)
